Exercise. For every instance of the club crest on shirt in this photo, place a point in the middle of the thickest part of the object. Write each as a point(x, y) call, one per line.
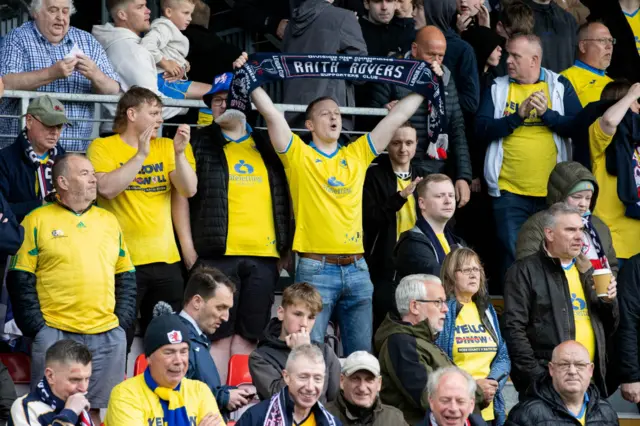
point(58, 233)
point(174, 336)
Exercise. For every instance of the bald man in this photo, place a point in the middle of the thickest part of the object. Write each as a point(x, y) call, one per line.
point(588, 74)
point(446, 151)
point(566, 394)
point(525, 119)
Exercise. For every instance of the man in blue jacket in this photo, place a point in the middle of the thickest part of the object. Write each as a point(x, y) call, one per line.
point(525, 120)
point(207, 300)
point(26, 165)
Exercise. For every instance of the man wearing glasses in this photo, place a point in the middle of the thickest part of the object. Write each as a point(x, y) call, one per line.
point(25, 165)
point(406, 348)
point(595, 50)
point(550, 297)
point(566, 394)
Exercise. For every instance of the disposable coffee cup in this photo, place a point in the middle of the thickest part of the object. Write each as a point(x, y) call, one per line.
point(602, 279)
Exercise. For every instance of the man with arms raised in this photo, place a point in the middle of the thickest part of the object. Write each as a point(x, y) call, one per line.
point(297, 403)
point(326, 182)
point(60, 397)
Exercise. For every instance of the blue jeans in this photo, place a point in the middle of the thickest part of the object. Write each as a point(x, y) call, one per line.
point(510, 212)
point(349, 290)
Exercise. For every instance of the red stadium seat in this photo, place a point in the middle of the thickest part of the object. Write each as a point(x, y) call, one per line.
point(231, 423)
point(140, 365)
point(19, 366)
point(239, 371)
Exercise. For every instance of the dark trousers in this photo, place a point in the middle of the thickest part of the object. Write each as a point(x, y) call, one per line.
point(156, 282)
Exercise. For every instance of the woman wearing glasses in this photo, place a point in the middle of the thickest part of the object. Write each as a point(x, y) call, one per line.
point(471, 333)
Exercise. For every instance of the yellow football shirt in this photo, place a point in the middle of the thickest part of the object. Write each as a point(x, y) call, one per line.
point(406, 216)
point(444, 243)
point(252, 230)
point(584, 329)
point(327, 194)
point(144, 207)
point(74, 258)
point(529, 152)
point(587, 81)
point(625, 231)
point(634, 22)
point(309, 421)
point(473, 348)
point(133, 403)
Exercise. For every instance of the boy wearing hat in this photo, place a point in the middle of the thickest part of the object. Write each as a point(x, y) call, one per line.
point(358, 402)
point(25, 165)
point(162, 395)
point(239, 222)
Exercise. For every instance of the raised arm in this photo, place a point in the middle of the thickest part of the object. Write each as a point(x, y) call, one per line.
point(401, 113)
point(614, 115)
point(277, 126)
point(183, 178)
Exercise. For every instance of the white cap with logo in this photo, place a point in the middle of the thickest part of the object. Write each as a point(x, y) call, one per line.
point(361, 360)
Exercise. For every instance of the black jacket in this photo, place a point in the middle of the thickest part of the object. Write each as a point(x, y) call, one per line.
point(388, 39)
point(11, 232)
point(458, 164)
point(7, 393)
point(558, 31)
point(538, 316)
point(415, 254)
point(260, 16)
point(544, 407)
point(625, 61)
point(381, 202)
point(626, 338)
point(209, 208)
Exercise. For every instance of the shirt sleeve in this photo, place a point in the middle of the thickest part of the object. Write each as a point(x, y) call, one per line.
point(11, 55)
point(99, 156)
point(208, 404)
point(27, 257)
point(363, 148)
point(124, 263)
point(124, 408)
point(294, 152)
point(598, 139)
point(156, 40)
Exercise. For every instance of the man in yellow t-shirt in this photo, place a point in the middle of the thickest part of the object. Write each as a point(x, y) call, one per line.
point(240, 222)
point(550, 297)
point(162, 395)
point(137, 175)
point(587, 75)
point(326, 182)
point(73, 279)
point(526, 119)
point(388, 209)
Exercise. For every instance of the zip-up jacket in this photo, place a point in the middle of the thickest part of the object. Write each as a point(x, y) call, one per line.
point(538, 316)
point(209, 208)
point(492, 126)
point(627, 337)
point(379, 415)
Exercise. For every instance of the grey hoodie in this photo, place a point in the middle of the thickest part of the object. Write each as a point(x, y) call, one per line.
point(318, 27)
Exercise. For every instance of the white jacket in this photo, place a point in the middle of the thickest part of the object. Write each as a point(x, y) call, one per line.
point(164, 40)
point(132, 62)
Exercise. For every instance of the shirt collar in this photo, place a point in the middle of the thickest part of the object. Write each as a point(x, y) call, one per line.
point(188, 317)
point(65, 40)
point(243, 138)
point(543, 76)
point(587, 67)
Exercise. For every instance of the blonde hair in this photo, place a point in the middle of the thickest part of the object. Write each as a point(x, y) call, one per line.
point(173, 3)
point(302, 293)
point(454, 262)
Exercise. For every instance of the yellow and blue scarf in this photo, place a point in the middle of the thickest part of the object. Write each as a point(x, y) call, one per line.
point(175, 413)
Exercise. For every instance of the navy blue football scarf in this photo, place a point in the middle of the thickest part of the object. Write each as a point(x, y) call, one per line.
point(43, 392)
point(263, 68)
point(426, 229)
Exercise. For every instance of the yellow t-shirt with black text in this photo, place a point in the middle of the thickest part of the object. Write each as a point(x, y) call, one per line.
point(473, 347)
point(584, 329)
point(634, 22)
point(529, 153)
point(133, 403)
point(144, 207)
point(587, 82)
point(251, 227)
point(75, 258)
point(326, 190)
point(444, 243)
point(625, 232)
point(406, 216)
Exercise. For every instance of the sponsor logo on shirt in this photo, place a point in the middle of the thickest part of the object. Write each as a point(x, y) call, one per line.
point(336, 187)
point(244, 173)
point(334, 182)
point(58, 233)
point(579, 305)
point(243, 168)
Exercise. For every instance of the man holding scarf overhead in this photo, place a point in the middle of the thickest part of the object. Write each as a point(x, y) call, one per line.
point(326, 178)
point(162, 395)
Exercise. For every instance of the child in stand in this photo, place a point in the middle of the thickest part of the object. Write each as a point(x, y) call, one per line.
point(170, 48)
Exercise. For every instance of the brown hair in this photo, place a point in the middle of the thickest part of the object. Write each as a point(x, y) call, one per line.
point(302, 293)
point(423, 185)
point(615, 90)
point(517, 17)
point(454, 262)
point(114, 5)
point(133, 98)
point(205, 281)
